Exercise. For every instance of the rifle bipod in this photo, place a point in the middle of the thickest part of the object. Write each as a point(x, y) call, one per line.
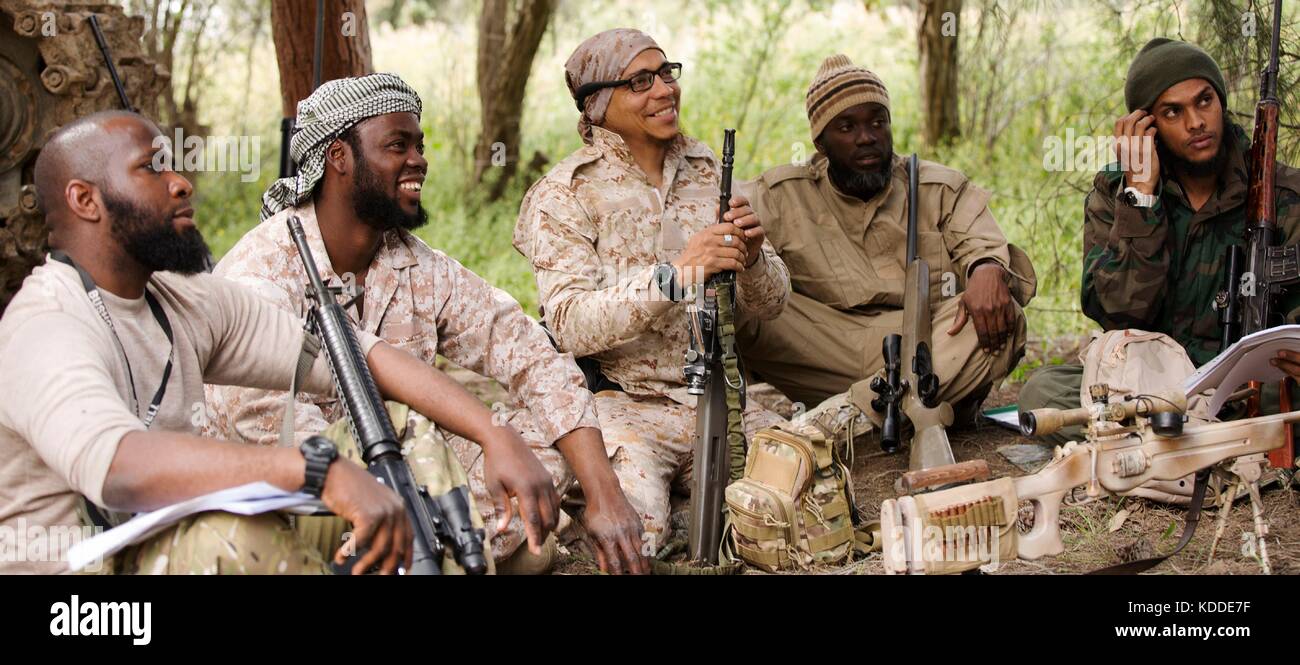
point(1243, 476)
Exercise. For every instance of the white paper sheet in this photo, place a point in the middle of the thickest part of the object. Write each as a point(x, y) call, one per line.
point(250, 499)
point(1245, 361)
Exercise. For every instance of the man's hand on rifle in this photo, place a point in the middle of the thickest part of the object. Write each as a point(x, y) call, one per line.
point(510, 470)
point(744, 218)
point(988, 304)
point(734, 244)
point(379, 523)
point(1135, 148)
point(709, 252)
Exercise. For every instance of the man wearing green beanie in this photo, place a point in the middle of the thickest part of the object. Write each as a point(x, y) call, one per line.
point(1157, 222)
point(840, 224)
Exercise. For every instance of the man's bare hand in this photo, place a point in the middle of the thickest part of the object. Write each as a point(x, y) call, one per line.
point(378, 517)
point(744, 217)
point(988, 304)
point(510, 470)
point(1289, 362)
point(1135, 148)
point(715, 249)
point(615, 526)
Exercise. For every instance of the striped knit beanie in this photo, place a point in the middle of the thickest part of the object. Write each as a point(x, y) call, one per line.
point(840, 85)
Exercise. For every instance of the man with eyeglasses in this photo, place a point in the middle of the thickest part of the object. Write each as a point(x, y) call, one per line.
point(615, 233)
point(840, 224)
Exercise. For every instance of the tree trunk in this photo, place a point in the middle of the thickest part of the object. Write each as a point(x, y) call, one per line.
point(937, 35)
point(507, 43)
point(346, 49)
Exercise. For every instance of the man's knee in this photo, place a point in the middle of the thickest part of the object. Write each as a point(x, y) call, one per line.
point(1054, 386)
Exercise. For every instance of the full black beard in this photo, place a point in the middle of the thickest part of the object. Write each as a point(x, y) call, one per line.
point(377, 209)
point(858, 183)
point(153, 241)
point(1212, 166)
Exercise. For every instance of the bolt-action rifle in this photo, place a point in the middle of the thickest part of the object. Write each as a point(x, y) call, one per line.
point(1129, 443)
point(909, 391)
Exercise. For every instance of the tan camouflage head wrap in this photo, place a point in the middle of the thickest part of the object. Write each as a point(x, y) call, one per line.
point(602, 57)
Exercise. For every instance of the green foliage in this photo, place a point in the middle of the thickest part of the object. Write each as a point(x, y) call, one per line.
point(1030, 71)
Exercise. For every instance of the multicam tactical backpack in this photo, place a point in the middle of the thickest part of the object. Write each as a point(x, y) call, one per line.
point(793, 506)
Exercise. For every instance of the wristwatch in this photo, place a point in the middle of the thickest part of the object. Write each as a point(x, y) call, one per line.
point(320, 453)
point(1137, 199)
point(666, 278)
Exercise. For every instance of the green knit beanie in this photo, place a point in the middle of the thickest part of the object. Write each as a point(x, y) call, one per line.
point(1163, 63)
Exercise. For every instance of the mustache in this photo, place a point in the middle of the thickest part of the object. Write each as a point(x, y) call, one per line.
point(868, 152)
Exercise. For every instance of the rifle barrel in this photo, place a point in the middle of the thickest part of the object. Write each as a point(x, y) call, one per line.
point(912, 183)
point(108, 60)
point(1273, 66)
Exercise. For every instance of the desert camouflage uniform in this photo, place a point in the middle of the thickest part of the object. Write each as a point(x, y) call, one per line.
point(1159, 269)
point(424, 302)
point(594, 228)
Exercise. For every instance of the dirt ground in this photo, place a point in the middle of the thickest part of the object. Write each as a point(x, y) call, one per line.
point(1091, 539)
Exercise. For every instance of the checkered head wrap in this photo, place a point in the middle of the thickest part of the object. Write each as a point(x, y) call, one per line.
point(335, 106)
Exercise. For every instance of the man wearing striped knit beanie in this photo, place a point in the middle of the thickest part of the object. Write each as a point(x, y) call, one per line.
point(839, 221)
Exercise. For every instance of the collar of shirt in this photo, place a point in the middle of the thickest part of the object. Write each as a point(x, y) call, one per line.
point(854, 214)
point(613, 148)
point(1233, 185)
point(382, 279)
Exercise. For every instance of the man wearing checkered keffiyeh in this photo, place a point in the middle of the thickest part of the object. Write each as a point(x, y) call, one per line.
point(424, 302)
point(322, 117)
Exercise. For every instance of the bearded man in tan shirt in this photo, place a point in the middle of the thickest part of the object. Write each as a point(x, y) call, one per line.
point(840, 224)
point(104, 352)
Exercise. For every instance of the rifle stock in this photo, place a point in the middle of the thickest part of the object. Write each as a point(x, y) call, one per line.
point(1106, 466)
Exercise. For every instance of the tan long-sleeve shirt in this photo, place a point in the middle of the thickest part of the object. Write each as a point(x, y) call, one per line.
point(66, 400)
point(594, 228)
point(852, 254)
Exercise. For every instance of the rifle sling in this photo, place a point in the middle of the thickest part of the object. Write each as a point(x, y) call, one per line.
point(1189, 528)
point(306, 358)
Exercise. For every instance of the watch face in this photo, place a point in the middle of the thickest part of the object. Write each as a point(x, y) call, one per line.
point(319, 445)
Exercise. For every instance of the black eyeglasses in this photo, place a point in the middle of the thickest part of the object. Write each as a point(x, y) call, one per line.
point(638, 82)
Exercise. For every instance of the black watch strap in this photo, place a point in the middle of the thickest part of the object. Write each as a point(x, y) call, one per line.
point(319, 453)
point(666, 278)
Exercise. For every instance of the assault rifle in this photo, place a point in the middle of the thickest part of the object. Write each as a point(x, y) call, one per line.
point(712, 372)
point(1254, 278)
point(1129, 443)
point(445, 519)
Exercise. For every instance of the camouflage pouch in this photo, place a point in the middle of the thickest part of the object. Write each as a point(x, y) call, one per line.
point(792, 509)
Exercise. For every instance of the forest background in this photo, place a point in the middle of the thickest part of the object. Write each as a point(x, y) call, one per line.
point(1017, 94)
